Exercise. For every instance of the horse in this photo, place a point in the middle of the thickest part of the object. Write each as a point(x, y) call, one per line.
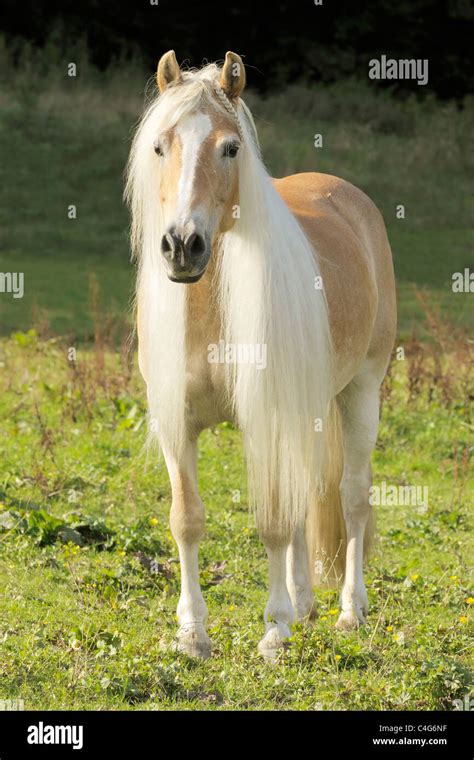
point(300, 270)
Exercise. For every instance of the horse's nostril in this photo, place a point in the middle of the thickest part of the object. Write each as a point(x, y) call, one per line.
point(195, 245)
point(165, 244)
point(176, 248)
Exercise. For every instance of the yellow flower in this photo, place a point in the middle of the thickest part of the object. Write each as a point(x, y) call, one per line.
point(122, 553)
point(389, 628)
point(463, 620)
point(415, 577)
point(470, 600)
point(324, 617)
point(232, 607)
point(333, 612)
point(70, 550)
point(153, 521)
point(453, 577)
point(337, 657)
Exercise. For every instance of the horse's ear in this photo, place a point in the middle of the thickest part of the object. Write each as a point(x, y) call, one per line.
point(233, 75)
point(168, 71)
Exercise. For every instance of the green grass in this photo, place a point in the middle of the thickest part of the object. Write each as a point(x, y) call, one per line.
point(85, 624)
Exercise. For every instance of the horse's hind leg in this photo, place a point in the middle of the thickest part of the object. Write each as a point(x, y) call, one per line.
point(298, 576)
point(359, 406)
point(290, 593)
point(279, 613)
point(187, 527)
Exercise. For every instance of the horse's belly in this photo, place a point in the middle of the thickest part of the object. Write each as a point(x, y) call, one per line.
point(349, 239)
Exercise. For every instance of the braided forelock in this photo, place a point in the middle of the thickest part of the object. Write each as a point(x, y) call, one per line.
point(225, 101)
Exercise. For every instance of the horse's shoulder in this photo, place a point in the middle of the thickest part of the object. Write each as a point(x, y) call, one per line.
point(312, 191)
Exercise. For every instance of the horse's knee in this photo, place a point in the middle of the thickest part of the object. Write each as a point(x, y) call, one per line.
point(355, 491)
point(274, 539)
point(187, 518)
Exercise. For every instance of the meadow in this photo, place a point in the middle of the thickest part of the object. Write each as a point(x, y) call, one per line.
point(88, 569)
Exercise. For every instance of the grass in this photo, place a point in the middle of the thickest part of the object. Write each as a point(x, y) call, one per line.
point(90, 575)
point(88, 567)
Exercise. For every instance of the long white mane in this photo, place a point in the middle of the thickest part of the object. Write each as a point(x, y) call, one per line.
point(265, 290)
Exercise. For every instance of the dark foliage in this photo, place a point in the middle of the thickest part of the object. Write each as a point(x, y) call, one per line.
point(282, 41)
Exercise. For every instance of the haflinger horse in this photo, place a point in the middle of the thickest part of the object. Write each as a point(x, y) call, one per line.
point(299, 266)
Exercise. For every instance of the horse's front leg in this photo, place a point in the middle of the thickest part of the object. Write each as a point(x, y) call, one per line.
point(187, 526)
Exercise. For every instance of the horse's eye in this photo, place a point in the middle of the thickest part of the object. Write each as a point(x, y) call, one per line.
point(158, 149)
point(230, 150)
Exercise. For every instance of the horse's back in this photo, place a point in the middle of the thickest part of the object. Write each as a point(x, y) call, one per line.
point(348, 234)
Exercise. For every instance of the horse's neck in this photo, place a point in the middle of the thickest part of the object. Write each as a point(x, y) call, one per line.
point(203, 324)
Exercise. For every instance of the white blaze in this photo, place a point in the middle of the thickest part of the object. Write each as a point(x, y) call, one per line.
point(192, 132)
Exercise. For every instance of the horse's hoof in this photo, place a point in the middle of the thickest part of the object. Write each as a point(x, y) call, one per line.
point(193, 641)
point(276, 638)
point(350, 620)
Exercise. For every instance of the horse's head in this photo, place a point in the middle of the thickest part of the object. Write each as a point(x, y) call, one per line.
point(199, 171)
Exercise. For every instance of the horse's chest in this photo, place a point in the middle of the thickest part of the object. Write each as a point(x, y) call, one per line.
point(205, 379)
point(205, 392)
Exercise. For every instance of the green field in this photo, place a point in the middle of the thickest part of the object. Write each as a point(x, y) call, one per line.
point(88, 568)
point(85, 621)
